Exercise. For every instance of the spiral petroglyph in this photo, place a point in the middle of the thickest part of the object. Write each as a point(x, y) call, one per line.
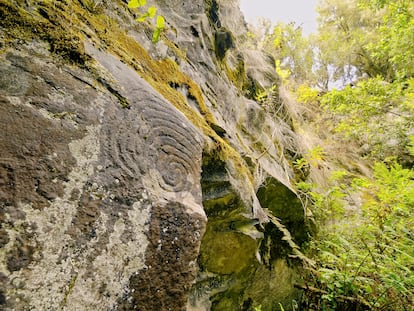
point(125, 147)
point(174, 148)
point(151, 138)
point(159, 139)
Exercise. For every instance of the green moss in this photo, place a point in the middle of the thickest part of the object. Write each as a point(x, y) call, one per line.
point(65, 24)
point(223, 41)
point(181, 54)
point(50, 23)
point(162, 75)
point(286, 206)
point(93, 6)
point(217, 206)
point(64, 115)
point(226, 252)
point(281, 201)
point(237, 75)
point(223, 303)
point(269, 287)
point(212, 12)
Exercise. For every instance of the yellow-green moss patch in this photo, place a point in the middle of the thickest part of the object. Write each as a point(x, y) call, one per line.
point(227, 252)
point(65, 24)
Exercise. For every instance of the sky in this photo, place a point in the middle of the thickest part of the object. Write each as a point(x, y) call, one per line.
point(302, 12)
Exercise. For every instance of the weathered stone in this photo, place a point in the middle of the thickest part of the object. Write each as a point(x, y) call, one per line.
point(77, 185)
point(113, 156)
point(283, 202)
point(223, 41)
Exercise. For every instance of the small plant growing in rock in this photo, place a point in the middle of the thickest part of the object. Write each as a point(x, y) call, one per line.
point(149, 14)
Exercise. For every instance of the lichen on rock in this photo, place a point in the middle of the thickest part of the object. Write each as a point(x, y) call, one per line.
point(132, 175)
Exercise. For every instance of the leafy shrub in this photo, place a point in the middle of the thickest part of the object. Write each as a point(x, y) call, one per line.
point(368, 259)
point(374, 114)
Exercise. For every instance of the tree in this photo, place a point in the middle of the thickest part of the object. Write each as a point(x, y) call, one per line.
point(396, 37)
point(292, 51)
point(345, 30)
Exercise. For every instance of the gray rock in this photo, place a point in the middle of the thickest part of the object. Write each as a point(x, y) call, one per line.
point(129, 175)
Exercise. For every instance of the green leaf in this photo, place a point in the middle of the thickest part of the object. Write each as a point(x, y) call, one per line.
point(160, 27)
point(156, 35)
point(160, 22)
point(133, 4)
point(152, 10)
point(142, 18)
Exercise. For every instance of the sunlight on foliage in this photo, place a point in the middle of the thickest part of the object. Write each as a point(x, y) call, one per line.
point(312, 158)
point(306, 94)
point(364, 247)
point(160, 27)
point(370, 258)
point(284, 74)
point(355, 79)
point(133, 4)
point(148, 15)
point(374, 113)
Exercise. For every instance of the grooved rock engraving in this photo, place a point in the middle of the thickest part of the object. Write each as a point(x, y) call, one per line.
point(153, 131)
point(90, 190)
point(102, 139)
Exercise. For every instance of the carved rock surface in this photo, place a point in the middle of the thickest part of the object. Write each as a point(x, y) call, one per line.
point(130, 171)
point(99, 196)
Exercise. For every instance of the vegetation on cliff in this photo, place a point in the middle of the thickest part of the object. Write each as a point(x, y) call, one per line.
point(329, 138)
point(353, 84)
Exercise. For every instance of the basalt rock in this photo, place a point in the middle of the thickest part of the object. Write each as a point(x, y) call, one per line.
point(137, 176)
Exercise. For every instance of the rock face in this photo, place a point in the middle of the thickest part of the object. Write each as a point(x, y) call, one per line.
point(134, 176)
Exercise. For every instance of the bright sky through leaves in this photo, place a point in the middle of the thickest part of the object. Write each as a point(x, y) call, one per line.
point(302, 12)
